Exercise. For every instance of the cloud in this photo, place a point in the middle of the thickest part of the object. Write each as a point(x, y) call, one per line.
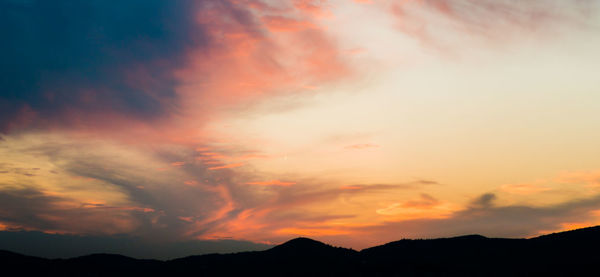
point(68, 246)
point(588, 178)
point(150, 79)
point(111, 100)
point(313, 7)
point(106, 188)
point(447, 25)
point(157, 73)
point(6, 168)
point(524, 189)
point(114, 187)
point(66, 61)
point(285, 24)
point(177, 163)
point(41, 211)
point(226, 166)
point(116, 190)
point(306, 207)
point(482, 217)
point(272, 183)
point(425, 201)
point(362, 146)
point(484, 201)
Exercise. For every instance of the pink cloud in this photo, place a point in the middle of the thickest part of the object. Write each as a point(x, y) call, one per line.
point(286, 24)
point(446, 25)
point(315, 8)
point(362, 146)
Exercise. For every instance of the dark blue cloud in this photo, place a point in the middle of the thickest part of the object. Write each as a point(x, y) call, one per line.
point(93, 56)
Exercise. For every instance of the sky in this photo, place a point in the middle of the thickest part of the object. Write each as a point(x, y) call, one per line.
point(241, 124)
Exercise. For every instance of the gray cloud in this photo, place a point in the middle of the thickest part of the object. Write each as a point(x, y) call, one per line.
point(484, 201)
point(67, 246)
point(494, 221)
point(29, 208)
point(150, 201)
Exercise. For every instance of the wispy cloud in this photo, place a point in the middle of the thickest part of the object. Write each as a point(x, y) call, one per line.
point(448, 24)
point(271, 183)
point(361, 146)
point(226, 166)
point(486, 218)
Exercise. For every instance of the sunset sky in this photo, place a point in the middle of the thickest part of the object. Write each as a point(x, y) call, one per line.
point(352, 122)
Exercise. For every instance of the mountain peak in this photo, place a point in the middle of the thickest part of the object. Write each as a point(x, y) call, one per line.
point(308, 247)
point(469, 237)
point(302, 243)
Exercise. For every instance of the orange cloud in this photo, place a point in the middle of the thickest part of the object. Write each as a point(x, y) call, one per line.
point(227, 204)
point(588, 178)
point(351, 187)
point(362, 146)
point(311, 232)
point(226, 166)
point(177, 163)
point(186, 218)
point(524, 189)
point(286, 24)
point(272, 183)
point(99, 205)
point(355, 51)
point(426, 206)
point(252, 156)
point(190, 183)
point(315, 8)
point(424, 202)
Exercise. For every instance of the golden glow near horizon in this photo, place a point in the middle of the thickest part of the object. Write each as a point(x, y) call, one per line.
point(401, 124)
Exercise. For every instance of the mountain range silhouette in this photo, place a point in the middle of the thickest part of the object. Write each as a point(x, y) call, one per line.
point(571, 253)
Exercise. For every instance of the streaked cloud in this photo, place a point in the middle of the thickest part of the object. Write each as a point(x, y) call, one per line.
point(446, 24)
point(485, 218)
point(525, 189)
point(271, 183)
point(362, 146)
point(226, 166)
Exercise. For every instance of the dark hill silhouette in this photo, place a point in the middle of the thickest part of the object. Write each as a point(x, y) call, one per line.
point(301, 244)
point(571, 253)
point(297, 257)
point(308, 248)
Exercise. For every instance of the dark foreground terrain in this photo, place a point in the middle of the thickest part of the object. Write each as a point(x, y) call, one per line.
point(572, 253)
